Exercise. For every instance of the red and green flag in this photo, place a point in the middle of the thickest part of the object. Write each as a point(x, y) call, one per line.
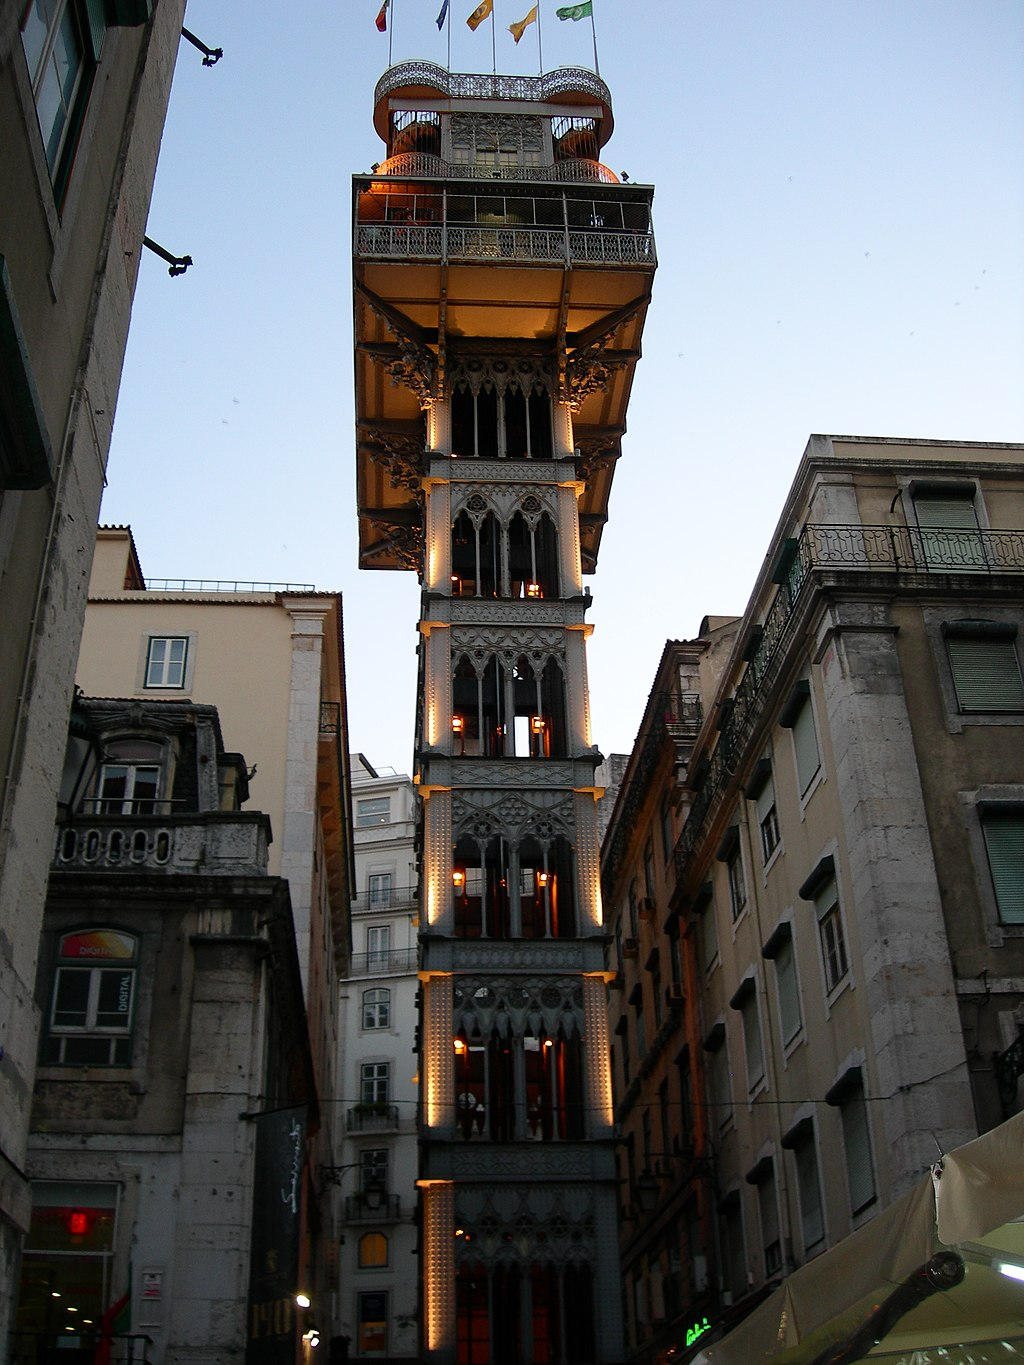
point(382, 17)
point(584, 11)
point(481, 12)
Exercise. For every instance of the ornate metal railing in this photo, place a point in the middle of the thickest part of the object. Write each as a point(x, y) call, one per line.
point(384, 963)
point(900, 550)
point(373, 1208)
point(383, 899)
point(372, 1118)
point(427, 166)
point(572, 79)
point(415, 241)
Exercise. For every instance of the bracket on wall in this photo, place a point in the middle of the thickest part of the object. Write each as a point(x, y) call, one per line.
point(177, 265)
point(211, 55)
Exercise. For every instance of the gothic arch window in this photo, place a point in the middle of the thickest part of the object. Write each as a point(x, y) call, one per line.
point(528, 422)
point(480, 887)
point(547, 893)
point(532, 554)
point(478, 708)
point(538, 709)
point(475, 421)
point(476, 553)
point(495, 415)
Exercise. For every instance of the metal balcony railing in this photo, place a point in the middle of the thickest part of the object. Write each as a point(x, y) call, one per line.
point(901, 551)
point(384, 963)
point(372, 1118)
point(222, 585)
point(565, 79)
point(427, 166)
point(373, 1208)
point(392, 898)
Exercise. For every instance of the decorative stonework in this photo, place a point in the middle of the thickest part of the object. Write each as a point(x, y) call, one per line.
point(480, 644)
point(504, 501)
point(485, 773)
point(438, 1056)
point(538, 474)
point(405, 540)
point(439, 1266)
point(588, 866)
point(517, 1007)
point(519, 955)
point(601, 1112)
point(541, 815)
point(520, 614)
point(399, 453)
point(517, 1224)
point(524, 372)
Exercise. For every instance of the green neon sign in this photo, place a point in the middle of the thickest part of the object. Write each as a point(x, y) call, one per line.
point(698, 1329)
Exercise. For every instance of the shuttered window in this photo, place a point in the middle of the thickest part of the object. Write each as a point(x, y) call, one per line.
point(857, 1145)
point(986, 673)
point(949, 531)
point(797, 716)
point(768, 820)
point(1004, 840)
point(789, 994)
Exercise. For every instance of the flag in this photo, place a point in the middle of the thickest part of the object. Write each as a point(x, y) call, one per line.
point(584, 11)
point(443, 15)
point(480, 14)
point(382, 17)
point(518, 29)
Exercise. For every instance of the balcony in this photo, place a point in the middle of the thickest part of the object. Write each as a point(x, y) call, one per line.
point(907, 555)
point(383, 900)
point(373, 1207)
point(574, 80)
point(455, 243)
point(426, 166)
point(212, 844)
point(384, 963)
point(373, 1118)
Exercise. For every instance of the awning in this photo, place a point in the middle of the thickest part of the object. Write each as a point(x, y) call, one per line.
point(972, 1204)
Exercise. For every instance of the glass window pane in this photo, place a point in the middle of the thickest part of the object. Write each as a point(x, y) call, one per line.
point(114, 1007)
point(71, 998)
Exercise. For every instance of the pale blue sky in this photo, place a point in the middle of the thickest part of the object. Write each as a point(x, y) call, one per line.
point(839, 213)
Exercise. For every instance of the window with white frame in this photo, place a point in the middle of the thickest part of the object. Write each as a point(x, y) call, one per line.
point(372, 810)
point(779, 951)
point(374, 1082)
point(947, 519)
point(800, 1140)
point(768, 820)
point(378, 947)
point(848, 1096)
point(745, 1002)
point(166, 659)
point(128, 789)
point(57, 37)
point(379, 888)
point(377, 1008)
point(830, 934)
point(373, 1169)
point(798, 717)
point(730, 854)
point(91, 1008)
point(984, 665)
point(1003, 828)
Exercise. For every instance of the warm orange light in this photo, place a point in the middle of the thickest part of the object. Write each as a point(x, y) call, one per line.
point(458, 879)
point(537, 724)
point(458, 725)
point(533, 590)
point(548, 1042)
point(459, 1046)
point(543, 878)
point(456, 585)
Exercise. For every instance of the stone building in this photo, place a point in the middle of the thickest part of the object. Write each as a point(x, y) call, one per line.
point(848, 862)
point(502, 276)
point(378, 1270)
point(83, 96)
point(173, 1020)
point(271, 658)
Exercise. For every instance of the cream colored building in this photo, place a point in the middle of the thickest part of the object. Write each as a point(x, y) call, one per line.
point(76, 171)
point(850, 863)
point(271, 659)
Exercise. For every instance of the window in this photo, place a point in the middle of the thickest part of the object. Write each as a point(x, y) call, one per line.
point(373, 1323)
point(707, 936)
point(737, 884)
point(649, 868)
point(91, 1009)
point(165, 660)
point(1003, 828)
point(830, 934)
point(734, 1257)
point(376, 1008)
point(379, 886)
point(128, 789)
point(984, 664)
point(763, 1179)
point(798, 717)
point(666, 826)
point(374, 1082)
point(719, 1086)
point(373, 1251)
point(848, 1096)
point(745, 1001)
point(61, 48)
point(68, 1258)
point(373, 1170)
point(800, 1140)
point(779, 949)
point(378, 947)
point(948, 522)
point(768, 820)
point(373, 810)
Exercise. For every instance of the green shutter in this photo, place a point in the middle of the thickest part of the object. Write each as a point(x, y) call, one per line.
point(986, 674)
point(1004, 839)
point(765, 801)
point(805, 743)
point(946, 524)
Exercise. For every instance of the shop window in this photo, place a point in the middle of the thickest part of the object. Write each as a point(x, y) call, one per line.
point(67, 1263)
point(92, 1004)
point(373, 1323)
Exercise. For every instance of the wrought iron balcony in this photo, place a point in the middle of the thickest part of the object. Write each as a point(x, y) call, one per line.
point(384, 963)
point(373, 1118)
point(373, 1207)
point(381, 900)
point(427, 166)
point(575, 80)
point(203, 585)
point(548, 246)
point(912, 554)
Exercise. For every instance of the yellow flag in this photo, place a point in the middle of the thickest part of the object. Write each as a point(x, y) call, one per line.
point(518, 29)
point(480, 13)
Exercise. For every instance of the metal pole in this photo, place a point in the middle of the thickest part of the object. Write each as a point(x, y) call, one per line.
point(540, 49)
point(391, 31)
point(593, 30)
point(494, 50)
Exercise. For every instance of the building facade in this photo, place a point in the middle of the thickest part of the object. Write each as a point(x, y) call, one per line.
point(271, 659)
point(379, 1272)
point(173, 1017)
point(501, 276)
point(83, 96)
point(849, 849)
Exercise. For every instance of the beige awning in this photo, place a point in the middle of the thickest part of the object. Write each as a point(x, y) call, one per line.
point(975, 1207)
